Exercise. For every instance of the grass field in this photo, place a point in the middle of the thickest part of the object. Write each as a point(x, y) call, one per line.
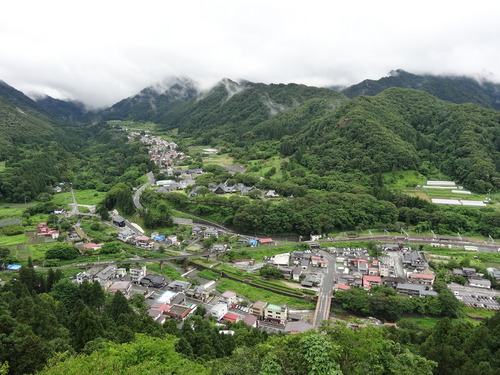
point(422, 322)
point(403, 180)
point(7, 212)
point(209, 275)
point(447, 194)
point(168, 271)
point(257, 294)
point(86, 197)
point(478, 313)
point(13, 240)
point(217, 159)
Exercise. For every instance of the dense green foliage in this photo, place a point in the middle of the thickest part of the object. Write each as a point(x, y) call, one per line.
point(78, 329)
point(400, 129)
point(383, 302)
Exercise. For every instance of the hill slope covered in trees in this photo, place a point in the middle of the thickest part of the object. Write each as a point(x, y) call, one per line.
point(455, 89)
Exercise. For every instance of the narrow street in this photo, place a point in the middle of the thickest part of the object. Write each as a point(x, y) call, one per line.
point(325, 292)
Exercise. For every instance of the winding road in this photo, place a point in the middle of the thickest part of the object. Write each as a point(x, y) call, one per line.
point(138, 192)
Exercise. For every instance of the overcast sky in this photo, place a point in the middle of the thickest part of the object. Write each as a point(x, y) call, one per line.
point(99, 52)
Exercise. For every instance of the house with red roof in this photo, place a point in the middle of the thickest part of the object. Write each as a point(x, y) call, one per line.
point(421, 278)
point(266, 241)
point(231, 318)
point(369, 281)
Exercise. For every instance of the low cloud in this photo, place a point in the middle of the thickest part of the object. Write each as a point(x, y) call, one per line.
point(102, 52)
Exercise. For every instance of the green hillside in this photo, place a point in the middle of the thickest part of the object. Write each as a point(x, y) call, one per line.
point(400, 129)
point(232, 110)
point(455, 89)
point(20, 127)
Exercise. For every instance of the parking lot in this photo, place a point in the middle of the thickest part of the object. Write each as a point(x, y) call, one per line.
point(476, 297)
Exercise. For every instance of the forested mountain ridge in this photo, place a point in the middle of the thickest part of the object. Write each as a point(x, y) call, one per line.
point(456, 89)
point(21, 126)
point(400, 129)
point(232, 109)
point(70, 110)
point(41, 150)
point(153, 102)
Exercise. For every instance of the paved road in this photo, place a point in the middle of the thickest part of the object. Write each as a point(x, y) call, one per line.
point(322, 311)
point(137, 195)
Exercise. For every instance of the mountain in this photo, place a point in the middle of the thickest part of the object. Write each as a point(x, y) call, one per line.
point(22, 121)
point(151, 103)
point(70, 110)
point(455, 89)
point(232, 110)
point(402, 129)
point(18, 99)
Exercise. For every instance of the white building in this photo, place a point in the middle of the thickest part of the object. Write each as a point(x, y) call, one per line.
point(219, 310)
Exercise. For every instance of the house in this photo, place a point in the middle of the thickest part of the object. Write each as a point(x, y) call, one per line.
point(229, 297)
point(179, 286)
point(341, 286)
point(271, 194)
point(323, 263)
point(414, 290)
point(119, 221)
point(251, 320)
point(315, 260)
point(362, 265)
point(469, 272)
point(144, 242)
point(266, 241)
point(167, 297)
point(369, 281)
point(219, 310)
point(275, 313)
point(304, 264)
point(231, 318)
point(156, 281)
point(120, 286)
point(372, 271)
point(125, 235)
point(392, 282)
point(296, 256)
point(257, 308)
point(281, 259)
point(480, 283)
point(105, 274)
point(414, 259)
point(218, 248)
point(137, 273)
point(315, 237)
point(13, 267)
point(42, 229)
point(421, 278)
point(179, 312)
point(296, 272)
point(92, 246)
point(210, 231)
point(198, 292)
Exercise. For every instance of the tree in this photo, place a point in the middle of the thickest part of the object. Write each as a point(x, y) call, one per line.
point(87, 328)
point(66, 292)
point(270, 272)
point(62, 251)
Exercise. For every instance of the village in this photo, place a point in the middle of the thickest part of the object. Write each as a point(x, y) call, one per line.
point(315, 267)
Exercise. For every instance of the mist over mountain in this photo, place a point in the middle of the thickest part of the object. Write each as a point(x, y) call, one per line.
point(153, 101)
point(455, 89)
point(70, 110)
